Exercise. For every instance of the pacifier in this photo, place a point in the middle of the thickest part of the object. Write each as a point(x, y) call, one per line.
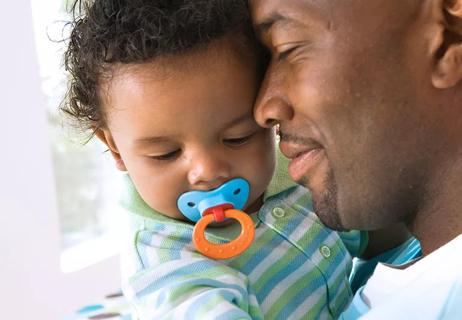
point(225, 202)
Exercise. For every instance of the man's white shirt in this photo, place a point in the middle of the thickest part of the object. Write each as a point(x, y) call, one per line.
point(431, 288)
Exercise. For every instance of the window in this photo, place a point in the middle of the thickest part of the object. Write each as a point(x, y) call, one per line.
point(85, 176)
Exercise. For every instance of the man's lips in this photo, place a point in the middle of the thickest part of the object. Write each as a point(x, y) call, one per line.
point(303, 157)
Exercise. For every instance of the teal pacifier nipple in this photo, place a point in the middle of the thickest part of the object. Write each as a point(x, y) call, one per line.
point(234, 192)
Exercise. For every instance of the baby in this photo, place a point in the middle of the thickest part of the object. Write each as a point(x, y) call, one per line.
point(168, 86)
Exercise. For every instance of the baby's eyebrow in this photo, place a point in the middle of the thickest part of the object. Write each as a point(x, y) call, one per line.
point(240, 119)
point(150, 140)
point(163, 139)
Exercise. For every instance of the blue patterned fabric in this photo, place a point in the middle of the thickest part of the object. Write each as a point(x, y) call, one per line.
point(111, 307)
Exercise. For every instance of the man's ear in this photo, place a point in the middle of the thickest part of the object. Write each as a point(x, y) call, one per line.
point(448, 67)
point(106, 137)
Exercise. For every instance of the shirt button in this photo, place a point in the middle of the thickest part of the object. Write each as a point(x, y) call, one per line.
point(325, 251)
point(278, 212)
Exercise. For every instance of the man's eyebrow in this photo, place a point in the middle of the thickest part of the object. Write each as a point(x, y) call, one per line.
point(267, 23)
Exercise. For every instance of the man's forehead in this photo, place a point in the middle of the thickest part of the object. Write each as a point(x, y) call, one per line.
point(263, 9)
point(266, 13)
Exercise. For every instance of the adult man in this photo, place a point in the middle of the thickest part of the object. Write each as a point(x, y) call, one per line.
point(368, 96)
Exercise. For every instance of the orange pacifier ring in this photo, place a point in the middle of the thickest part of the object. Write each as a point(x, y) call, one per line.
point(205, 207)
point(226, 250)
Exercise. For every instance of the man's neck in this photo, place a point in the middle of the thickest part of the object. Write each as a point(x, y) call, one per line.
point(440, 219)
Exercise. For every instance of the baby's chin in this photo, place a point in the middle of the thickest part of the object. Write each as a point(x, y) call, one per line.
point(254, 206)
point(182, 218)
point(222, 224)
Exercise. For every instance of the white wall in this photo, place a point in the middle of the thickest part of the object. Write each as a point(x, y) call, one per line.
point(31, 283)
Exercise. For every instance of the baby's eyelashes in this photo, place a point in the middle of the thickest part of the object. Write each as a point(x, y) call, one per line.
point(238, 141)
point(166, 156)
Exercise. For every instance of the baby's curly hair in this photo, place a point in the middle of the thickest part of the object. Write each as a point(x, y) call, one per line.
point(109, 32)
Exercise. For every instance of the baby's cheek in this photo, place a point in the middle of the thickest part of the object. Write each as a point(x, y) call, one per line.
point(162, 196)
point(262, 169)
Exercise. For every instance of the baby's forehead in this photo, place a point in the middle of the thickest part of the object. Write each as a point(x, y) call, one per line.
point(228, 48)
point(210, 83)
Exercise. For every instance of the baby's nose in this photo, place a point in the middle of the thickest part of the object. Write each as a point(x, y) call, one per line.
point(208, 171)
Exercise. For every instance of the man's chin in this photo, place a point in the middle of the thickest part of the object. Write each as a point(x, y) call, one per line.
point(325, 205)
point(329, 218)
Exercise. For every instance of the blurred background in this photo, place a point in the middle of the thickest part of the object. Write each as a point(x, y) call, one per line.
point(59, 220)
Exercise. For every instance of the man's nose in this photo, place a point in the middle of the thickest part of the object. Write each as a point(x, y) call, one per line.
point(272, 105)
point(209, 170)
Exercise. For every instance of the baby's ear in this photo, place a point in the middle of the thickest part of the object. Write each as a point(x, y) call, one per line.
point(105, 136)
point(448, 68)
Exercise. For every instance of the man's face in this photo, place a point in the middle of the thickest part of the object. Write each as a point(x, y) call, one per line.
point(346, 84)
